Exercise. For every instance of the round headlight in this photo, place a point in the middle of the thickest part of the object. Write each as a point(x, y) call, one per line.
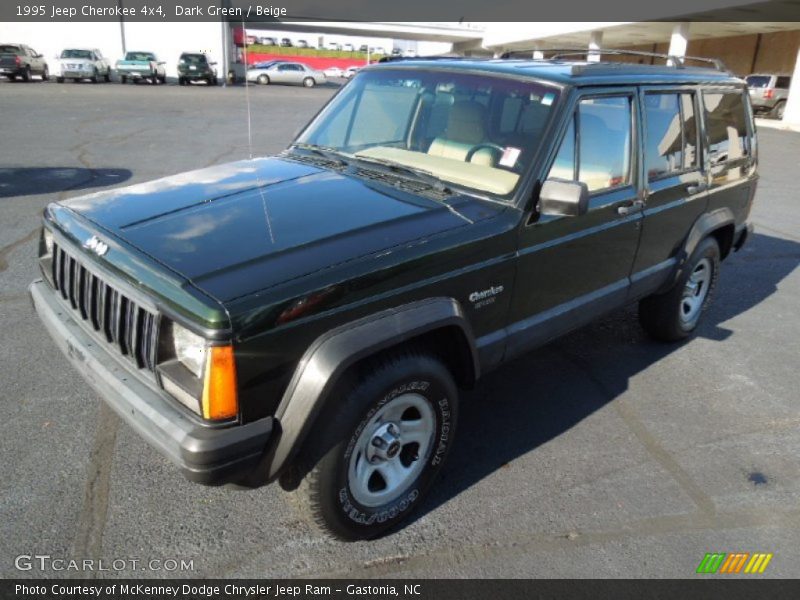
point(190, 349)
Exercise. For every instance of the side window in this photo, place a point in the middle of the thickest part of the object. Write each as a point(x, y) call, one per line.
point(663, 151)
point(726, 127)
point(783, 82)
point(604, 144)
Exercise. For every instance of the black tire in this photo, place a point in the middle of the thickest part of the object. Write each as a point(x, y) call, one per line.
point(181, 81)
point(777, 110)
point(95, 78)
point(325, 495)
point(309, 82)
point(210, 80)
point(45, 73)
point(664, 316)
point(163, 79)
point(60, 79)
point(107, 76)
point(262, 79)
point(123, 79)
point(26, 74)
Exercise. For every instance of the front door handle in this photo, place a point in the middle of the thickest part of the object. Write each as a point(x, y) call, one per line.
point(630, 208)
point(697, 188)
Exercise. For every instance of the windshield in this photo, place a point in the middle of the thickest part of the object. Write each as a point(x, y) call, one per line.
point(476, 131)
point(145, 56)
point(193, 59)
point(758, 81)
point(76, 54)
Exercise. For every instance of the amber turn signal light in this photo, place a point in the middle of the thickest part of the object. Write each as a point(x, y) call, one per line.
point(219, 385)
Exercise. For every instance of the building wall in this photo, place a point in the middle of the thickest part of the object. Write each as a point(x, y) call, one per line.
point(743, 54)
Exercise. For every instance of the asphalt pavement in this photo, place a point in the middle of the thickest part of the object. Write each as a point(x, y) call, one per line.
point(603, 454)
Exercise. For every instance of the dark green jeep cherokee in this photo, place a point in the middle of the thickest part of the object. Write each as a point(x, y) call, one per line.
point(310, 317)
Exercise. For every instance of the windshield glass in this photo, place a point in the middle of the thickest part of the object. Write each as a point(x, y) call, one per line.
point(758, 81)
point(76, 54)
point(476, 131)
point(145, 56)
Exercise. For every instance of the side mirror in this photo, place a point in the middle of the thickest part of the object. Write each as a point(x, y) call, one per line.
point(212, 63)
point(564, 198)
point(162, 62)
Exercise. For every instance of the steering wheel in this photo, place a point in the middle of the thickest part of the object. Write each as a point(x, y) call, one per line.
point(489, 145)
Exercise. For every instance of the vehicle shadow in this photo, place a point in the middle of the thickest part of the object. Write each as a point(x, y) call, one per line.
point(541, 395)
point(27, 181)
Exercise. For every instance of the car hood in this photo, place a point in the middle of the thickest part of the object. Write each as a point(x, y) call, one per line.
point(238, 228)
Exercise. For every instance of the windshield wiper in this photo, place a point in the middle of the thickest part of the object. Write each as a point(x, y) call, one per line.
point(325, 152)
point(420, 174)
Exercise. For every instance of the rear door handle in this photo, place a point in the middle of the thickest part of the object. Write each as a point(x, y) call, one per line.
point(634, 206)
point(696, 189)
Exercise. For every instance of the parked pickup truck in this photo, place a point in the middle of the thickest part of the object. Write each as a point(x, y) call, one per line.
point(310, 317)
point(19, 60)
point(141, 65)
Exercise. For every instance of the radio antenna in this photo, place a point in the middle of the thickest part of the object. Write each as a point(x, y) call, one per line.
point(250, 137)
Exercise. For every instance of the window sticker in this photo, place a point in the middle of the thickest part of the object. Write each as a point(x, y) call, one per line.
point(547, 99)
point(510, 156)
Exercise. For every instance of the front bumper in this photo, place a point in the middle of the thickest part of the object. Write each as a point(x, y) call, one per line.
point(209, 455)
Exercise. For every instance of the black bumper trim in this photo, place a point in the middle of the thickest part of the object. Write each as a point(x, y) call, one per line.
point(205, 454)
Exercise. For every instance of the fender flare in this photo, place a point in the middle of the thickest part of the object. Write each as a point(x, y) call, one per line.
point(334, 351)
point(702, 228)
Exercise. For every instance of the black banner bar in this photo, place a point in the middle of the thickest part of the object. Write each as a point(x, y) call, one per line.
point(392, 10)
point(410, 589)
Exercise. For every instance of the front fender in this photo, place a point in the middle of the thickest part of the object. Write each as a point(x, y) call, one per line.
point(333, 352)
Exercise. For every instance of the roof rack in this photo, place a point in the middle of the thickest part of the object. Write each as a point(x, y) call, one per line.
point(671, 59)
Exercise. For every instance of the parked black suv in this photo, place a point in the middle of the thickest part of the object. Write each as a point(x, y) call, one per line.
point(310, 317)
point(195, 66)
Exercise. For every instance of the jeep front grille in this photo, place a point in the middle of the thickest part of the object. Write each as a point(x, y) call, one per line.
point(117, 319)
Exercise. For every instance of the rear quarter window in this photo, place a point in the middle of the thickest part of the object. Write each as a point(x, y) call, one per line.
point(726, 127)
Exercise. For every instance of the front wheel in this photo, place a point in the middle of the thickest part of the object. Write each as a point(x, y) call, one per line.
point(94, 77)
point(777, 112)
point(379, 447)
point(675, 314)
point(107, 76)
point(45, 73)
point(309, 82)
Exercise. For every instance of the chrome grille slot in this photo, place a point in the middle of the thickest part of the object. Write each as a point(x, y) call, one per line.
point(117, 319)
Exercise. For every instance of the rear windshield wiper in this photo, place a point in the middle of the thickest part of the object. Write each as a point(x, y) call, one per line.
point(419, 174)
point(328, 153)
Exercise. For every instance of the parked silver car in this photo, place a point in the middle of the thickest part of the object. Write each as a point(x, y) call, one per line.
point(82, 63)
point(285, 72)
point(768, 92)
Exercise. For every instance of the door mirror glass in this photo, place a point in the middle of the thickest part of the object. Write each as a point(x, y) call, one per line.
point(564, 198)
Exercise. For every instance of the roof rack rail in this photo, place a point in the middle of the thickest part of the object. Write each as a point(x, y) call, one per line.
point(671, 59)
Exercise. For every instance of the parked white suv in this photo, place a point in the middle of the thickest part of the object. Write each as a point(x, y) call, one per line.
point(82, 63)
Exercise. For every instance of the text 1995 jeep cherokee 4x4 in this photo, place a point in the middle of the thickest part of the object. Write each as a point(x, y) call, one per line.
point(310, 317)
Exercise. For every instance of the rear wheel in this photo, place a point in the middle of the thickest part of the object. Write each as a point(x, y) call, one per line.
point(263, 79)
point(123, 79)
point(60, 79)
point(45, 73)
point(107, 76)
point(26, 74)
point(95, 76)
point(675, 314)
point(309, 82)
point(777, 111)
point(374, 455)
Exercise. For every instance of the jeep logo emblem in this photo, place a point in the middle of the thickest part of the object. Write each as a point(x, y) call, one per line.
point(96, 245)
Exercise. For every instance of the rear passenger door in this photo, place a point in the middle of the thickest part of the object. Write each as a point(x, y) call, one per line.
point(675, 179)
point(572, 268)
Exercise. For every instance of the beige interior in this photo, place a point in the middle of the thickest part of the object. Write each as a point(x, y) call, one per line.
point(472, 175)
point(465, 130)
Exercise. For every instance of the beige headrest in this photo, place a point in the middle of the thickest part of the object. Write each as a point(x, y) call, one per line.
point(466, 123)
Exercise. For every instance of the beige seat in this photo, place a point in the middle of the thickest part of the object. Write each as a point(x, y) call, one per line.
point(466, 129)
